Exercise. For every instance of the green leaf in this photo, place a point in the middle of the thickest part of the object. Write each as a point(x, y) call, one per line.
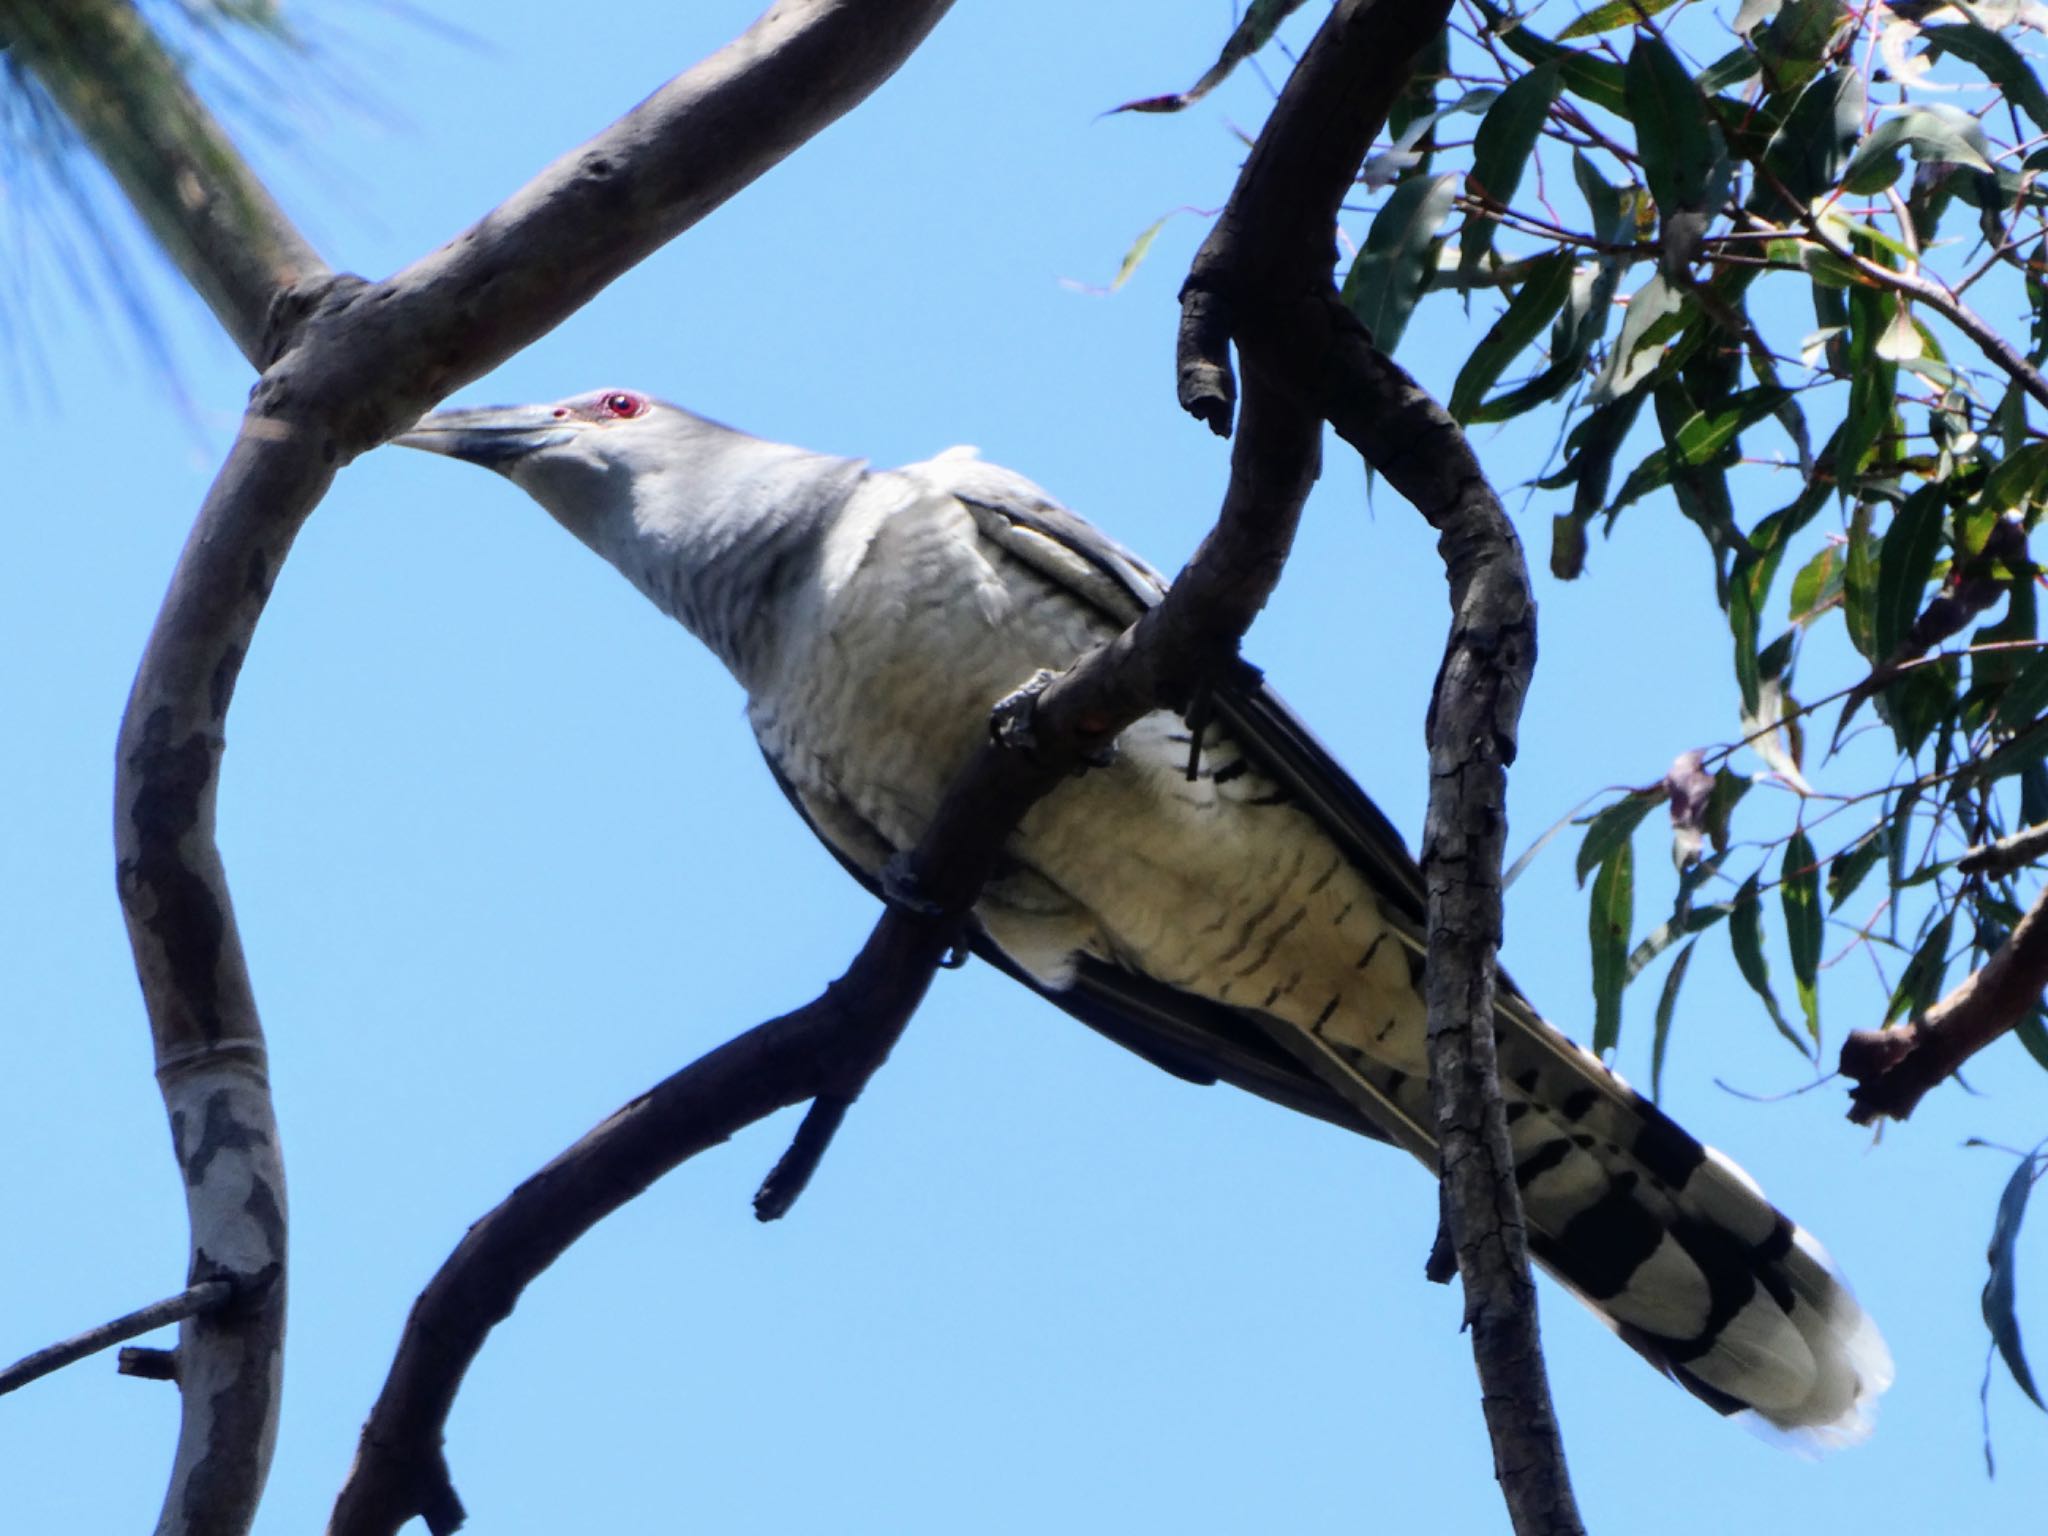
point(1799, 894)
point(1806, 156)
point(2033, 1034)
point(1706, 432)
point(2017, 482)
point(1656, 309)
point(1533, 307)
point(1679, 144)
point(1387, 278)
point(1920, 982)
point(1585, 75)
point(1997, 60)
point(2001, 1289)
point(2025, 696)
point(1667, 1003)
point(1818, 586)
point(1615, 13)
point(1847, 868)
point(1934, 133)
point(1607, 929)
point(1745, 935)
point(1859, 585)
point(1798, 39)
point(1905, 561)
point(1261, 19)
point(1613, 827)
point(1873, 384)
point(1501, 148)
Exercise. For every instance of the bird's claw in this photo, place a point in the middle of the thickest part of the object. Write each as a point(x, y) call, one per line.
point(1012, 722)
point(902, 889)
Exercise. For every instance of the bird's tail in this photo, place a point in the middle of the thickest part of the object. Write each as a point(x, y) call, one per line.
point(1677, 1248)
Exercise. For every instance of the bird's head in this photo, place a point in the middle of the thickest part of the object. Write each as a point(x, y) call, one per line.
point(581, 458)
point(691, 512)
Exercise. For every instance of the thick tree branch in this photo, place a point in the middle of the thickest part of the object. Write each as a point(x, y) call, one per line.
point(1893, 1068)
point(1263, 279)
point(356, 362)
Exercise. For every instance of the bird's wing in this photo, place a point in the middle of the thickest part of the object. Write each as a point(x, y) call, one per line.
point(1192, 1038)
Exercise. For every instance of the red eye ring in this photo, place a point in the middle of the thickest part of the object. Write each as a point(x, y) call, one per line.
point(623, 404)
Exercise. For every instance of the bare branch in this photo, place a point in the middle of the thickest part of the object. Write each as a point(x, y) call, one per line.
point(1267, 268)
point(356, 363)
point(127, 97)
point(2007, 854)
point(207, 1296)
point(1893, 1068)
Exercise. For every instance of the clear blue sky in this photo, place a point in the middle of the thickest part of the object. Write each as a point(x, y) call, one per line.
point(504, 854)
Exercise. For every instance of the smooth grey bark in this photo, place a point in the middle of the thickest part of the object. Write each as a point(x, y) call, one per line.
point(345, 364)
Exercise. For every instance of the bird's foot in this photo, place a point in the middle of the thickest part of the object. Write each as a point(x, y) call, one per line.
point(1013, 722)
point(902, 889)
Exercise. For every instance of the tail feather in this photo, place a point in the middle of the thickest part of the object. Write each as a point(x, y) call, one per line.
point(1679, 1250)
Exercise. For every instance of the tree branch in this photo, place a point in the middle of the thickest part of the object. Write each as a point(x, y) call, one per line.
point(207, 1296)
point(1893, 1068)
point(1266, 269)
point(355, 363)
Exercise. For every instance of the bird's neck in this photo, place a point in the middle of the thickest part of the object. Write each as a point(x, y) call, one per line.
point(728, 541)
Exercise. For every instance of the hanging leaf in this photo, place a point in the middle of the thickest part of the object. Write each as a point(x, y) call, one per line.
point(1615, 13)
point(1818, 586)
point(2001, 1288)
point(1806, 156)
point(1997, 60)
point(1611, 914)
point(1261, 19)
point(1943, 135)
point(1613, 827)
point(1534, 305)
point(1905, 561)
point(1920, 983)
point(1847, 868)
point(1705, 433)
point(1654, 313)
point(2025, 696)
point(1798, 39)
point(1587, 76)
point(1667, 1004)
point(1745, 935)
point(1799, 894)
point(1680, 146)
point(1387, 278)
point(1859, 585)
point(1506, 138)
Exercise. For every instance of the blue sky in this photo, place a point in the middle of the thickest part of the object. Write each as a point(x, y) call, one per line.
point(503, 854)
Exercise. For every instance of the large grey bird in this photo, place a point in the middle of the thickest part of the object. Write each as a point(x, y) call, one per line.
point(1255, 920)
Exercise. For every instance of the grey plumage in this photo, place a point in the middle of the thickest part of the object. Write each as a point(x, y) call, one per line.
point(1257, 922)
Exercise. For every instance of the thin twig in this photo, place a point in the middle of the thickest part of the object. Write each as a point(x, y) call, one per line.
point(194, 1300)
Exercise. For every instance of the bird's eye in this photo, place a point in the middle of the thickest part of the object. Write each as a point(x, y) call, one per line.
point(624, 405)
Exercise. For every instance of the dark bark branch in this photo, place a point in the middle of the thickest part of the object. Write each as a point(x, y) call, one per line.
point(1266, 271)
point(1893, 1068)
point(2007, 854)
point(127, 97)
point(207, 1296)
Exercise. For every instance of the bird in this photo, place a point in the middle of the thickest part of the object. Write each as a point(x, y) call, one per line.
point(1217, 896)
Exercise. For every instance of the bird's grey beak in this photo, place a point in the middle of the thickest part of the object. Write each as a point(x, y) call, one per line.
point(495, 436)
